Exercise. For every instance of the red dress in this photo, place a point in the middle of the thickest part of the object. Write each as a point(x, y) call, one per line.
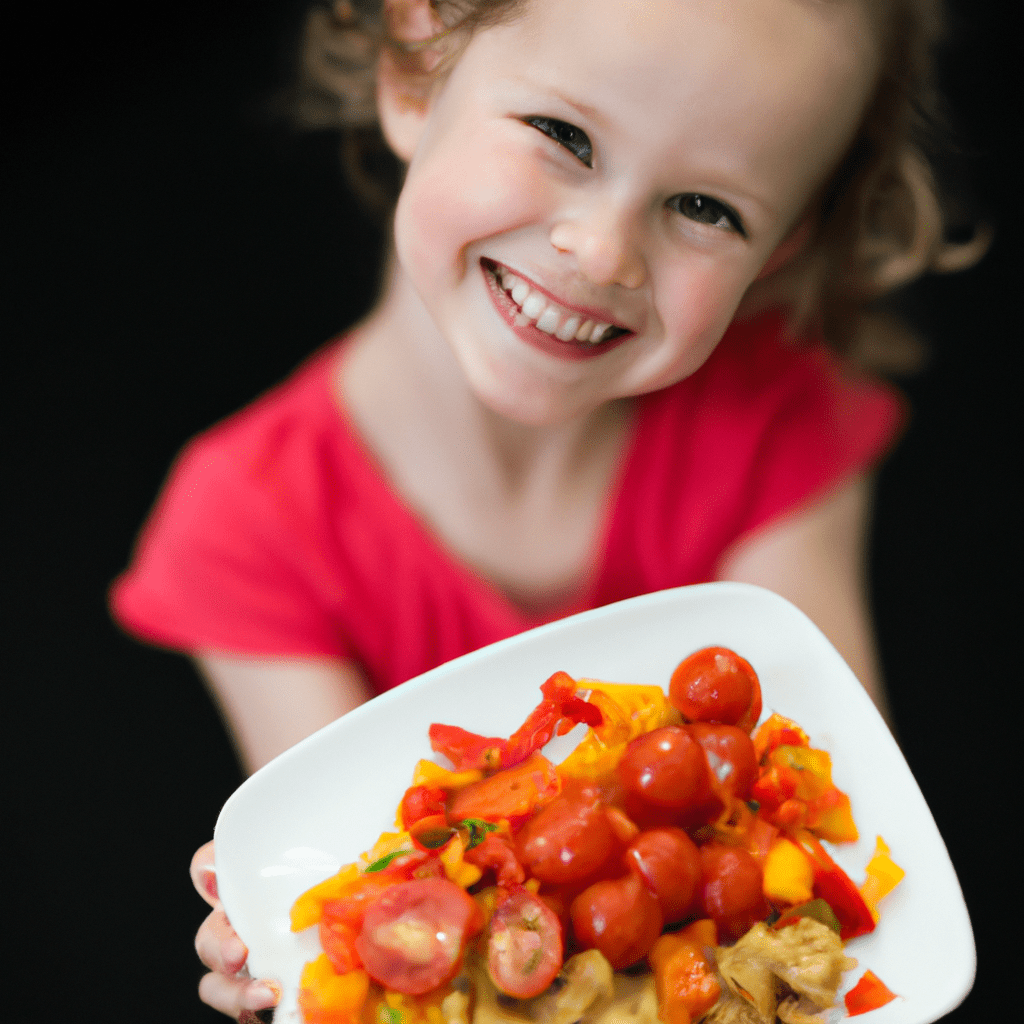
point(277, 535)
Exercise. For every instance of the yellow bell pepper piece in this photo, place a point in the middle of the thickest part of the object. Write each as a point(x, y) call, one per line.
point(883, 875)
point(308, 908)
point(457, 870)
point(628, 711)
point(426, 773)
point(788, 874)
point(329, 998)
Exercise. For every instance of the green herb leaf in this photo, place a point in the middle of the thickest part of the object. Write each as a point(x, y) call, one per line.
point(477, 829)
point(383, 862)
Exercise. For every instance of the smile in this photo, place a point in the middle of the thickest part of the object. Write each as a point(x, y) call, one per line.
point(535, 309)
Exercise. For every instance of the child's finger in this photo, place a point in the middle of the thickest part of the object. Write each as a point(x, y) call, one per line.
point(204, 873)
point(218, 945)
point(233, 996)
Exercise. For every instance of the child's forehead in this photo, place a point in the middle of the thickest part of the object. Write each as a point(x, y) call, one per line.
point(710, 66)
point(654, 35)
point(760, 95)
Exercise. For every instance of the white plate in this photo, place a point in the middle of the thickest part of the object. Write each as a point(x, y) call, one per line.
point(325, 801)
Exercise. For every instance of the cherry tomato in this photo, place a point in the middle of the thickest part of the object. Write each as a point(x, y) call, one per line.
point(716, 685)
point(731, 888)
point(730, 756)
point(524, 944)
point(667, 768)
point(620, 917)
point(569, 839)
point(414, 933)
point(668, 862)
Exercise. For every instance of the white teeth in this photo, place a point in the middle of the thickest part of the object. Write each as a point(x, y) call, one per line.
point(534, 305)
point(549, 320)
point(548, 316)
point(585, 331)
point(568, 330)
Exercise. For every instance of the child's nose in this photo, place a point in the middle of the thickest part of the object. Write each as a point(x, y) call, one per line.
point(605, 243)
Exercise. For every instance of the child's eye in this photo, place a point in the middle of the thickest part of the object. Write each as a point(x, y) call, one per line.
point(565, 134)
point(706, 210)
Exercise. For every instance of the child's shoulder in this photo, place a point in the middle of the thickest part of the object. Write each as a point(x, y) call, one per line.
point(302, 401)
point(288, 447)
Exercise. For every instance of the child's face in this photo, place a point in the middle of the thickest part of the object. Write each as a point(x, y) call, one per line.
point(634, 164)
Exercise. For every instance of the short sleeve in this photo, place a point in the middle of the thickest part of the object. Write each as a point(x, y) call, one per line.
point(215, 570)
point(239, 554)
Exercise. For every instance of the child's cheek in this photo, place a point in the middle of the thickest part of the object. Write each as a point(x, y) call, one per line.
point(474, 194)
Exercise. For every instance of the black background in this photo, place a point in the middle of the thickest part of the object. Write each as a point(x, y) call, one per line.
point(169, 253)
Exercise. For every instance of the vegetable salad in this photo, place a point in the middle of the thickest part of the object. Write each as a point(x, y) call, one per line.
point(670, 869)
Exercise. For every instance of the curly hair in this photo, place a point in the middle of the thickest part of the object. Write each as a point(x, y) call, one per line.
point(880, 224)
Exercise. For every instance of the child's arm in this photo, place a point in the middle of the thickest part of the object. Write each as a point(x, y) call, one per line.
point(270, 705)
point(817, 558)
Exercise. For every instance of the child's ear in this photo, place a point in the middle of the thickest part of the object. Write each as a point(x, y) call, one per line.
point(405, 80)
point(788, 248)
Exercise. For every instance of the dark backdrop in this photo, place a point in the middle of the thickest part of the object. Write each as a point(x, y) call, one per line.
point(169, 253)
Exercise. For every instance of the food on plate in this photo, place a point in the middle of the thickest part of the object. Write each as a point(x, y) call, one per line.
point(670, 869)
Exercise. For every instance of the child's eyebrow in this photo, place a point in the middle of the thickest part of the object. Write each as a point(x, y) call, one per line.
point(585, 109)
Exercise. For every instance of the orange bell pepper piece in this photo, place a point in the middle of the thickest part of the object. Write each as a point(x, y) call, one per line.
point(868, 994)
point(509, 795)
point(684, 979)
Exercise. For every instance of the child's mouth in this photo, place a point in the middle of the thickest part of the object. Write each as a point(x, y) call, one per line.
point(537, 310)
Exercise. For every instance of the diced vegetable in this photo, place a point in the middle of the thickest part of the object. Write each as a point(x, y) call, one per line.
point(868, 994)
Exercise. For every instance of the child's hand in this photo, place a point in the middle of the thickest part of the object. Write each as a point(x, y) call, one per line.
point(227, 987)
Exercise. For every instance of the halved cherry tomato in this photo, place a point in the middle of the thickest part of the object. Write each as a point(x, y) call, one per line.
point(730, 755)
point(413, 935)
point(524, 944)
point(716, 685)
point(569, 839)
point(666, 768)
point(668, 861)
point(620, 917)
point(731, 888)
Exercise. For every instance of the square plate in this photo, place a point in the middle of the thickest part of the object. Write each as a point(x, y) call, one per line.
point(326, 800)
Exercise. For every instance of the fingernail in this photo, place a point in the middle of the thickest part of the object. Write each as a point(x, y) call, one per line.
point(207, 878)
point(261, 994)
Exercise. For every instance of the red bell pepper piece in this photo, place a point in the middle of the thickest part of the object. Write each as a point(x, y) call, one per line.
point(836, 888)
point(868, 994)
point(557, 713)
